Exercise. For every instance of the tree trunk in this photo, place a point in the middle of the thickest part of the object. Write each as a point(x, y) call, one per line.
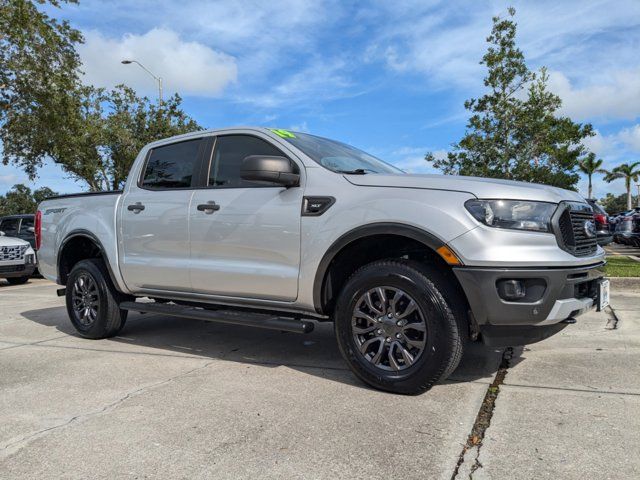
point(628, 182)
point(589, 186)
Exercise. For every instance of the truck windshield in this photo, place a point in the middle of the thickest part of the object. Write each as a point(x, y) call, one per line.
point(336, 156)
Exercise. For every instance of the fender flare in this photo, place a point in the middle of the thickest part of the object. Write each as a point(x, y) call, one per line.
point(428, 239)
point(91, 236)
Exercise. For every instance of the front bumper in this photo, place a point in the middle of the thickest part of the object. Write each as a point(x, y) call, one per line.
point(23, 267)
point(19, 270)
point(553, 296)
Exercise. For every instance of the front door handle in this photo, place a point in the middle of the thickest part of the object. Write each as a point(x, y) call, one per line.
point(136, 207)
point(208, 207)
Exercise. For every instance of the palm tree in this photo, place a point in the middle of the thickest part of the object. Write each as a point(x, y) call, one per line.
point(627, 171)
point(589, 166)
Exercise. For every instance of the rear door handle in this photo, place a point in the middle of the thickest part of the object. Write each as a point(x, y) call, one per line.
point(136, 207)
point(208, 207)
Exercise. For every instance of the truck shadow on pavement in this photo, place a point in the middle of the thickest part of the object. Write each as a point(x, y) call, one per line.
point(315, 353)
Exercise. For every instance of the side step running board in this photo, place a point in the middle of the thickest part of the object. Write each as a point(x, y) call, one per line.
point(233, 317)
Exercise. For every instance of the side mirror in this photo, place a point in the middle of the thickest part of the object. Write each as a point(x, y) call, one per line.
point(272, 169)
point(31, 230)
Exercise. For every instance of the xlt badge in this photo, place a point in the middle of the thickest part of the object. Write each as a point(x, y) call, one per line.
point(316, 206)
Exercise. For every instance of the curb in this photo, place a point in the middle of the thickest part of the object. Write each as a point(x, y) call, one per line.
point(631, 283)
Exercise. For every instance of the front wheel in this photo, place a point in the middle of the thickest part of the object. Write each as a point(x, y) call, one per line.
point(395, 328)
point(17, 280)
point(92, 301)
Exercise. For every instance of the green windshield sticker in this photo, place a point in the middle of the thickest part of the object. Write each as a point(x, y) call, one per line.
point(282, 133)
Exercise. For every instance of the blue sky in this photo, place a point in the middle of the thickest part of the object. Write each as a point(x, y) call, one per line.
point(388, 77)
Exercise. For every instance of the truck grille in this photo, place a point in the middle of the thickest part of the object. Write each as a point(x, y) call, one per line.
point(12, 252)
point(572, 232)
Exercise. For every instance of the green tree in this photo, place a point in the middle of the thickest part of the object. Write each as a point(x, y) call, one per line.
point(131, 122)
point(629, 172)
point(38, 78)
point(46, 114)
point(590, 165)
point(103, 133)
point(514, 132)
point(110, 128)
point(614, 203)
point(20, 199)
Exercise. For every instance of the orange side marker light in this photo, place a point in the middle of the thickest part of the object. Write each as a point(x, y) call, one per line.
point(448, 256)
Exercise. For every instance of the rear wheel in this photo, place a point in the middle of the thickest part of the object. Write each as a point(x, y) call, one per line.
point(17, 280)
point(396, 327)
point(92, 301)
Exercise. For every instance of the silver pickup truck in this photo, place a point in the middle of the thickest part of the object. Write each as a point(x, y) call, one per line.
point(278, 229)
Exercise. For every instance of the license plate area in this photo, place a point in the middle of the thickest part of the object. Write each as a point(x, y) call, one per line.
point(603, 294)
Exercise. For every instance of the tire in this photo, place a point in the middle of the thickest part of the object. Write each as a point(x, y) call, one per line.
point(107, 319)
point(433, 354)
point(17, 280)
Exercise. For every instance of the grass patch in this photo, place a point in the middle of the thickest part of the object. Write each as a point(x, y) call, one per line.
point(622, 266)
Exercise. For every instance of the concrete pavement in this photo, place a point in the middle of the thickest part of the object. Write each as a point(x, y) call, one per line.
point(175, 398)
point(570, 406)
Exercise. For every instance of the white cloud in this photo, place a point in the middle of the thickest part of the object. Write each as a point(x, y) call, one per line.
point(9, 179)
point(300, 127)
point(320, 78)
point(411, 159)
point(599, 144)
point(622, 146)
point(416, 38)
point(615, 97)
point(186, 67)
point(615, 145)
point(274, 47)
point(266, 45)
point(591, 47)
point(630, 137)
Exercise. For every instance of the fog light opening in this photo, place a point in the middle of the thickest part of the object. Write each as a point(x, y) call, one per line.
point(512, 289)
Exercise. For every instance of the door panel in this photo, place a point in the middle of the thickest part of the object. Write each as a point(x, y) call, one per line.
point(155, 241)
point(250, 246)
point(154, 251)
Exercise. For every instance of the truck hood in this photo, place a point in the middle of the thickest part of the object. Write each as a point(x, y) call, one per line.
point(11, 241)
point(480, 187)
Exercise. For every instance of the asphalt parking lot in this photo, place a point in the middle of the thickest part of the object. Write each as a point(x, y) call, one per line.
point(177, 398)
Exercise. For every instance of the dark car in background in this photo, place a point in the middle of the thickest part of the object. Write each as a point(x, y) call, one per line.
point(635, 230)
point(19, 226)
point(601, 220)
point(624, 227)
point(627, 231)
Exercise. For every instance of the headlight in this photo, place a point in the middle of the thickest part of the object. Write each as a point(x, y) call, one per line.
point(515, 214)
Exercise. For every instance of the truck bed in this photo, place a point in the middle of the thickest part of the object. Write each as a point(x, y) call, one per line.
point(66, 215)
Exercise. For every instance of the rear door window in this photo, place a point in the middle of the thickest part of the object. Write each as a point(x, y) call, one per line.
point(172, 166)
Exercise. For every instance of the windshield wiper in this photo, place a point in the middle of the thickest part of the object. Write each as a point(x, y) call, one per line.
point(357, 171)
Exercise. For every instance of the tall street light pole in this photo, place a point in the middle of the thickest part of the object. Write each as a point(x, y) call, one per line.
point(156, 78)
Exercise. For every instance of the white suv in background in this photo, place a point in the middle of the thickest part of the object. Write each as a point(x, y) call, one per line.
point(17, 260)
